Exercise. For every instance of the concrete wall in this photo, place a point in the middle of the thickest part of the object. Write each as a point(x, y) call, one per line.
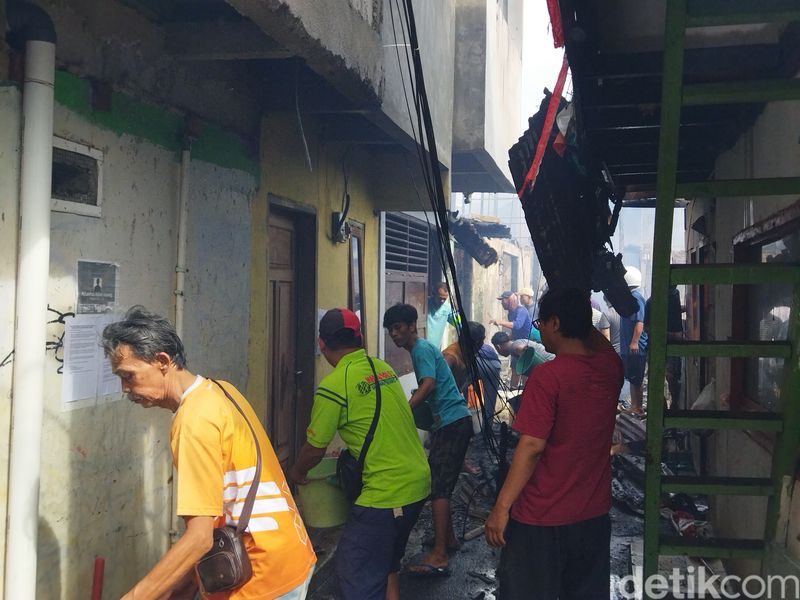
point(503, 79)
point(10, 108)
point(112, 42)
point(351, 44)
point(469, 112)
point(485, 284)
point(106, 466)
point(769, 149)
point(436, 31)
point(488, 87)
point(218, 282)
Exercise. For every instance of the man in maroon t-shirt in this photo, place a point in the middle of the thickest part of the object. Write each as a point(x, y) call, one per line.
point(558, 489)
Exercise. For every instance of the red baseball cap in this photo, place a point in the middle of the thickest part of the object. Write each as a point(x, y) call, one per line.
point(338, 319)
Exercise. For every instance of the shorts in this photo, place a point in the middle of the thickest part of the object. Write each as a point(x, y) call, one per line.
point(372, 545)
point(563, 562)
point(448, 449)
point(634, 367)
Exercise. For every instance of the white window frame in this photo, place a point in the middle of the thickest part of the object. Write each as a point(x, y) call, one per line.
point(76, 208)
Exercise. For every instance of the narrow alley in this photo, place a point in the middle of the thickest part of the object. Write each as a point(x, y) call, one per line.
point(514, 280)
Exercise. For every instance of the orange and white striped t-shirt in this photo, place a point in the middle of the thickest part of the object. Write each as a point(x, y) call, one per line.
point(215, 456)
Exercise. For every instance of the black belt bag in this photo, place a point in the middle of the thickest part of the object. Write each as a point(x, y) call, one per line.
point(349, 470)
point(227, 566)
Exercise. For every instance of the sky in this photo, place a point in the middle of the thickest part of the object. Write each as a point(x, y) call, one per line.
point(541, 62)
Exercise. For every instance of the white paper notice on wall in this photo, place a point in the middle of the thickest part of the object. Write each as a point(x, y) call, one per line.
point(87, 372)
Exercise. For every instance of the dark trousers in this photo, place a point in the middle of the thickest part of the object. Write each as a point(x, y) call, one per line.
point(372, 545)
point(564, 562)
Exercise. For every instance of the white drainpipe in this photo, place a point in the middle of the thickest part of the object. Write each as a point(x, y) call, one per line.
point(180, 301)
point(33, 269)
point(183, 215)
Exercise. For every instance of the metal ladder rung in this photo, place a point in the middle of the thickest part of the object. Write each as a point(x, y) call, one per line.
point(733, 486)
point(741, 92)
point(730, 349)
point(774, 186)
point(723, 419)
point(707, 13)
point(737, 274)
point(670, 545)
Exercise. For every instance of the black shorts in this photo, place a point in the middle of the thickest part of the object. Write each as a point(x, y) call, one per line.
point(565, 562)
point(448, 449)
point(372, 545)
point(634, 367)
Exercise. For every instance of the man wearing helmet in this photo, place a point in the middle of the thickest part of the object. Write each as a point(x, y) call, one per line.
point(633, 341)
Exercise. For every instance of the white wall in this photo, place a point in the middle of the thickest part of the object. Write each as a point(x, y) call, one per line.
point(106, 464)
point(503, 79)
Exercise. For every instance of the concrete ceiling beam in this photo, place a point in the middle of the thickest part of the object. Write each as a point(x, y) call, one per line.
point(276, 19)
point(221, 41)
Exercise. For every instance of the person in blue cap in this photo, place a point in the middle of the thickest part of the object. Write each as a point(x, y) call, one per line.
point(519, 320)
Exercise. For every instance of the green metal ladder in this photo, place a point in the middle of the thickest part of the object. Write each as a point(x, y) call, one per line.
point(681, 15)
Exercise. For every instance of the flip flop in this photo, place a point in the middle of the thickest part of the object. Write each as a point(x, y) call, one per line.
point(426, 570)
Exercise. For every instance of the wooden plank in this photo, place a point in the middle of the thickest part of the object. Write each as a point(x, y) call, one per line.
point(711, 548)
point(744, 274)
point(674, 38)
point(776, 186)
point(784, 456)
point(741, 92)
point(706, 13)
point(735, 486)
point(716, 419)
point(730, 349)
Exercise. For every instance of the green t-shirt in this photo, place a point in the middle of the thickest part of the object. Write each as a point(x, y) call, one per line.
point(396, 470)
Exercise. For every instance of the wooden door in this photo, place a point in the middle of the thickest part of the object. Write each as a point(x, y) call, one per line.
point(283, 335)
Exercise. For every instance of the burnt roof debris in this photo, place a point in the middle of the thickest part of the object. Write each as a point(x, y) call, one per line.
point(569, 209)
point(489, 227)
point(466, 233)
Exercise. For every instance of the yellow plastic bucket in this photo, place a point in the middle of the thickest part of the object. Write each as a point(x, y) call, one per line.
point(322, 501)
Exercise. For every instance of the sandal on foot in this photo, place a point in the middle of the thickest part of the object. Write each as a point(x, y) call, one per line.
point(426, 570)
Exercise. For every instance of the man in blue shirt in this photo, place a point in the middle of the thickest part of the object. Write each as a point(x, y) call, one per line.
point(450, 434)
point(633, 341)
point(519, 320)
point(439, 311)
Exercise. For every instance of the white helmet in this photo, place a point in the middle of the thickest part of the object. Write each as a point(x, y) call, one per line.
point(633, 277)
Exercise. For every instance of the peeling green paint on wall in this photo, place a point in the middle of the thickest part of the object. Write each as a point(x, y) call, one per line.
point(131, 116)
point(225, 149)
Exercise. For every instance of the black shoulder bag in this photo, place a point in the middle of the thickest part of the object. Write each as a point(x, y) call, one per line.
point(226, 566)
point(349, 470)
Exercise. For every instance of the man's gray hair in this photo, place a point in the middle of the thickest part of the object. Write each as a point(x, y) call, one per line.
point(147, 334)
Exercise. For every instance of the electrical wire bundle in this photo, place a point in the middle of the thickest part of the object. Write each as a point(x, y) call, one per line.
point(419, 114)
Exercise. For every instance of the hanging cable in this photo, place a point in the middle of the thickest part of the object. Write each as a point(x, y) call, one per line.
point(299, 117)
point(424, 137)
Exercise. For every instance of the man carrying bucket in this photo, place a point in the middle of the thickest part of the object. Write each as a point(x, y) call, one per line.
point(396, 477)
